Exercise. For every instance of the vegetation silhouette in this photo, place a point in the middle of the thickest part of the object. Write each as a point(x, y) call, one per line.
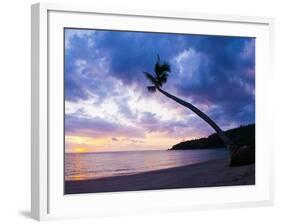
point(243, 135)
point(239, 155)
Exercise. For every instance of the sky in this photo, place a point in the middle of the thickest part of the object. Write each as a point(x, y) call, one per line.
point(108, 107)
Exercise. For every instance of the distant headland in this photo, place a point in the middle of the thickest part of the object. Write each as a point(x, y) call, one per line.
point(243, 135)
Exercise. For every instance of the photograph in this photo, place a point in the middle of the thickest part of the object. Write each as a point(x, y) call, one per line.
point(157, 110)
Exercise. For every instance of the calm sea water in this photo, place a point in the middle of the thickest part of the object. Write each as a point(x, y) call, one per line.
point(82, 166)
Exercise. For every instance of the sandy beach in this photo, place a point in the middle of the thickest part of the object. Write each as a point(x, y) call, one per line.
point(212, 173)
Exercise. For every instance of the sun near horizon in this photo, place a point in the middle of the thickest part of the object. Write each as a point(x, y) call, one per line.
point(80, 150)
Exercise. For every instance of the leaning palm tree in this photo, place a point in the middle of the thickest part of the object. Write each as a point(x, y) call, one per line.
point(239, 155)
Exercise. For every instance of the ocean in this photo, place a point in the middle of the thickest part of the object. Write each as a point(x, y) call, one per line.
point(95, 165)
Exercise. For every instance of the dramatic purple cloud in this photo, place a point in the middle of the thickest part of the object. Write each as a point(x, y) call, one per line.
point(104, 79)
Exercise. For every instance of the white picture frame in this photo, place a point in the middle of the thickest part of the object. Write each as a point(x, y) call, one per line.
point(47, 198)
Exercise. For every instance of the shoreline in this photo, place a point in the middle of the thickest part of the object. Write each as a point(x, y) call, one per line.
point(207, 174)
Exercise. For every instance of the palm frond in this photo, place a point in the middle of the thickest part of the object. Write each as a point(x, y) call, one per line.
point(151, 89)
point(157, 66)
point(163, 68)
point(161, 75)
point(150, 78)
point(163, 78)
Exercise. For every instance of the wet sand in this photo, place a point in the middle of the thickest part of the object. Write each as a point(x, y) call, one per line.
point(208, 174)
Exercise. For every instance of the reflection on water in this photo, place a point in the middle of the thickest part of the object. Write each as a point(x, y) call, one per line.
point(82, 166)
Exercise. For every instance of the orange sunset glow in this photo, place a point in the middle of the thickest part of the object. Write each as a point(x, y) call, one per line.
point(80, 150)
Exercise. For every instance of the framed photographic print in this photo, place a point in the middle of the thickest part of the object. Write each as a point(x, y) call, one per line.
point(148, 111)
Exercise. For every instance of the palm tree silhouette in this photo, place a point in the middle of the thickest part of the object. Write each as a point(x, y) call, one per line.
point(160, 77)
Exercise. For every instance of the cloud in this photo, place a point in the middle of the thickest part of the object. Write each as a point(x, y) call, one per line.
point(122, 55)
point(104, 77)
point(77, 33)
point(220, 72)
point(97, 127)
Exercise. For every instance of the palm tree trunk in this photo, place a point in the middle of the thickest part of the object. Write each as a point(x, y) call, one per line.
point(228, 143)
